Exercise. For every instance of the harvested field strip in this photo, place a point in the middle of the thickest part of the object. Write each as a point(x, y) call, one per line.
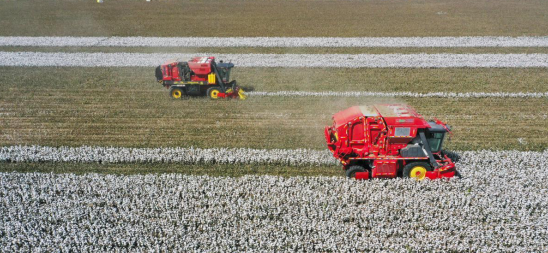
point(399, 94)
point(428, 42)
point(267, 18)
point(501, 204)
point(220, 170)
point(65, 81)
point(282, 60)
point(76, 117)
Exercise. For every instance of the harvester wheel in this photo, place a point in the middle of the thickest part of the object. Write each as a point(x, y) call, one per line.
point(213, 92)
point(416, 170)
point(351, 171)
point(176, 93)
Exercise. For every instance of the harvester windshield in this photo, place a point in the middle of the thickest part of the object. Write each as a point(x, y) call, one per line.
point(224, 70)
point(435, 141)
point(435, 136)
point(225, 74)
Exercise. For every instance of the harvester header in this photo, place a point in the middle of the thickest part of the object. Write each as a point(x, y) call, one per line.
point(388, 140)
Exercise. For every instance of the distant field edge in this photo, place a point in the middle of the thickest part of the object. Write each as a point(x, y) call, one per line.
point(16, 82)
point(420, 42)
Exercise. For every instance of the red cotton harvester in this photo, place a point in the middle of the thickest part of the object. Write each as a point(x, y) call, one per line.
point(388, 140)
point(201, 76)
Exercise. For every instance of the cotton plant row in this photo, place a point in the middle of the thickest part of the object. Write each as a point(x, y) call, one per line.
point(479, 41)
point(500, 205)
point(398, 94)
point(86, 154)
point(280, 60)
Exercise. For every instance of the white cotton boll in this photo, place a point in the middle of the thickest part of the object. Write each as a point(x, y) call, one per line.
point(396, 94)
point(466, 41)
point(501, 204)
point(191, 155)
point(280, 60)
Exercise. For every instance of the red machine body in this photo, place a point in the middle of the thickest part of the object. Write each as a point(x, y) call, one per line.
point(200, 66)
point(197, 77)
point(384, 141)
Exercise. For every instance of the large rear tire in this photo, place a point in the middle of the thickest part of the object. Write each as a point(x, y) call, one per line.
point(351, 171)
point(176, 92)
point(416, 170)
point(213, 92)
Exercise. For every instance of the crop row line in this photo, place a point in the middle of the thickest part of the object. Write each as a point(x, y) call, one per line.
point(398, 94)
point(280, 60)
point(88, 154)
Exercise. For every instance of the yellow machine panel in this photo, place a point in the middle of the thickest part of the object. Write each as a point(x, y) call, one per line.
point(211, 78)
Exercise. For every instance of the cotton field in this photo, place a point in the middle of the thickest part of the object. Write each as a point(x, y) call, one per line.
point(466, 41)
point(86, 154)
point(79, 91)
point(27, 59)
point(500, 204)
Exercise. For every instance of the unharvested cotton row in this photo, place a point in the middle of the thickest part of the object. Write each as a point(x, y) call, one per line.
point(280, 60)
point(479, 41)
point(398, 94)
point(500, 205)
point(86, 154)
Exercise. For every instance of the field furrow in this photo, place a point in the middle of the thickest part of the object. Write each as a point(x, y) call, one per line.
point(142, 120)
point(125, 107)
point(56, 82)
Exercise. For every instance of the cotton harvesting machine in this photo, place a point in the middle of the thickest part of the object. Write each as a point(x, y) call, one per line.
point(201, 76)
point(389, 140)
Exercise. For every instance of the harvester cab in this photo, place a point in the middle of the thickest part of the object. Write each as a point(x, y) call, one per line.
point(224, 70)
point(388, 140)
point(201, 76)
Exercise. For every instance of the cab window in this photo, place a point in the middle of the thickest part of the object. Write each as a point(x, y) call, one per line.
point(225, 74)
point(435, 140)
